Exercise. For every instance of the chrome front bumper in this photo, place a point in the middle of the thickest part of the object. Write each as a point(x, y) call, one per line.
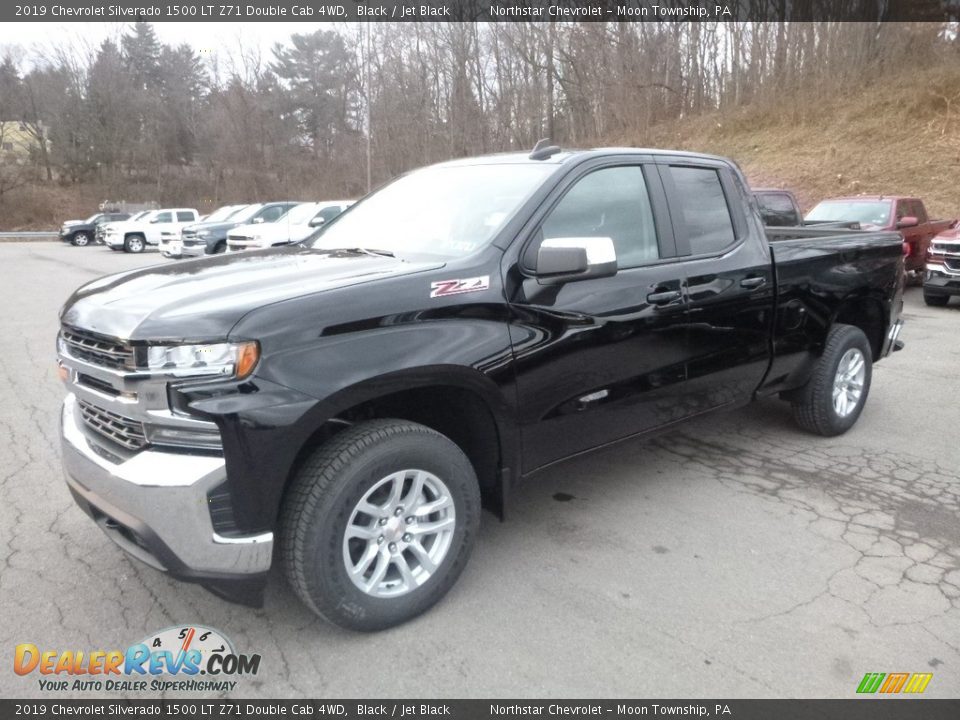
point(154, 505)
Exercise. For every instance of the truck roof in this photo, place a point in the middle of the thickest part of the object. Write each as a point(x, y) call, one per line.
point(565, 156)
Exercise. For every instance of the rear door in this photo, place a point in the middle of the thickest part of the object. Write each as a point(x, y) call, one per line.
point(728, 282)
point(599, 359)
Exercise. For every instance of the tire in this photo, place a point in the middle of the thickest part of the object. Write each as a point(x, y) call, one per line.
point(134, 244)
point(814, 406)
point(80, 239)
point(220, 248)
point(323, 501)
point(936, 300)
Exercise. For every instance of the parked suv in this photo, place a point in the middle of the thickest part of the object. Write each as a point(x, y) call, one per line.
point(135, 236)
point(301, 222)
point(210, 238)
point(82, 232)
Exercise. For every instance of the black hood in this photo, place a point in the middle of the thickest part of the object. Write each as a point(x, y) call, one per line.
point(204, 299)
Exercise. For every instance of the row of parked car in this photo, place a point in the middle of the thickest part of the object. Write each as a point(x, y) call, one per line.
point(931, 248)
point(183, 232)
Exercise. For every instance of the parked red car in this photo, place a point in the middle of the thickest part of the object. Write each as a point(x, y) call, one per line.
point(942, 279)
point(886, 212)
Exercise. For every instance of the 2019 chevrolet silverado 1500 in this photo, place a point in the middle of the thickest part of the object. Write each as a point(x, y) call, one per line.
point(344, 406)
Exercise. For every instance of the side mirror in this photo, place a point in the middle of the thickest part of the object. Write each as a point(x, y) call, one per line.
point(562, 260)
point(316, 222)
point(155, 220)
point(257, 220)
point(907, 221)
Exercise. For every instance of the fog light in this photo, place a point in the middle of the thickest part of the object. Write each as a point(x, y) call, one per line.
point(197, 438)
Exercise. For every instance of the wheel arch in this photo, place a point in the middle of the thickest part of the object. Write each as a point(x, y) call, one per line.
point(867, 312)
point(457, 402)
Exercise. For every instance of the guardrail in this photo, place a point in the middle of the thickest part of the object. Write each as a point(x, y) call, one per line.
point(29, 235)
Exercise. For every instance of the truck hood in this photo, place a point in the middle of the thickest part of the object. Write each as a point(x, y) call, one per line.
point(203, 299)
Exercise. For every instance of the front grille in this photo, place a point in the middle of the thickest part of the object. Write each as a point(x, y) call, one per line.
point(241, 238)
point(124, 431)
point(98, 350)
point(189, 234)
point(952, 264)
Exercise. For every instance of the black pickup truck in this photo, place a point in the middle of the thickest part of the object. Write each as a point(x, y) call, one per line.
point(346, 406)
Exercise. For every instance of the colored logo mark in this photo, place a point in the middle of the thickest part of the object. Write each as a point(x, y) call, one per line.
point(891, 683)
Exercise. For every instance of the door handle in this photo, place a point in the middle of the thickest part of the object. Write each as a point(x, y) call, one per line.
point(663, 297)
point(752, 283)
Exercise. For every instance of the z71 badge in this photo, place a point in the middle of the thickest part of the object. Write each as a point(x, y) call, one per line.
point(442, 288)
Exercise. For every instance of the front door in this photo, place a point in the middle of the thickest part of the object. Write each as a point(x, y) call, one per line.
point(600, 359)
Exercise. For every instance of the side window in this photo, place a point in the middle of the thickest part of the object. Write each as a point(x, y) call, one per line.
point(903, 209)
point(272, 213)
point(777, 209)
point(703, 209)
point(185, 216)
point(330, 213)
point(164, 217)
point(612, 202)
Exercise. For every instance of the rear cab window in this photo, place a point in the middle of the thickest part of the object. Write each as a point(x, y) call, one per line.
point(700, 209)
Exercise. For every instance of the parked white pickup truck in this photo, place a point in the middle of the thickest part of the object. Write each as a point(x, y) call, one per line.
point(298, 224)
point(134, 236)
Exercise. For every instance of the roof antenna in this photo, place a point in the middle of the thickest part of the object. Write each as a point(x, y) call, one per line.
point(543, 150)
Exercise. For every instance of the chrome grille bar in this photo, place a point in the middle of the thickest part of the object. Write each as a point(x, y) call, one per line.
point(124, 431)
point(98, 350)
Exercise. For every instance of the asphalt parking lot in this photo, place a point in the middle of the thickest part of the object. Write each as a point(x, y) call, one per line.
point(737, 557)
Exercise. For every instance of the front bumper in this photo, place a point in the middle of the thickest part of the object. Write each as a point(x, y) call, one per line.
point(938, 280)
point(154, 504)
point(198, 250)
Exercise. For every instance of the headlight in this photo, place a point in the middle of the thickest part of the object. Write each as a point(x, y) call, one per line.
point(234, 360)
point(203, 233)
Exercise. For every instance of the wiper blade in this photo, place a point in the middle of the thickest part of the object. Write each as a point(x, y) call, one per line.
point(368, 251)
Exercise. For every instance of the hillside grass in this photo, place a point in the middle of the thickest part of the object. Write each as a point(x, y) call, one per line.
point(898, 137)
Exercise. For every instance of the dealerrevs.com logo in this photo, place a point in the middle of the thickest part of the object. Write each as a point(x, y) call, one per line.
point(183, 659)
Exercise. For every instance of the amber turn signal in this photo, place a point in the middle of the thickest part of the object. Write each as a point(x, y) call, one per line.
point(248, 353)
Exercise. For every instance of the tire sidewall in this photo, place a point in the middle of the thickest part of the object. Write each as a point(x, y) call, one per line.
point(325, 571)
point(852, 338)
point(76, 240)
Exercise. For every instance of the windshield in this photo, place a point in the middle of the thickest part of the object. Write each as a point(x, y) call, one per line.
point(246, 213)
point(222, 213)
point(140, 216)
point(92, 219)
point(866, 212)
point(446, 212)
point(299, 215)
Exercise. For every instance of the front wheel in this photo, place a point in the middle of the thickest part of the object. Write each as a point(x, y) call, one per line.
point(81, 239)
point(134, 244)
point(379, 523)
point(936, 300)
point(832, 400)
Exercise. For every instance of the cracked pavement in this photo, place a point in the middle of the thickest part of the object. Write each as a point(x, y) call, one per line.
point(735, 557)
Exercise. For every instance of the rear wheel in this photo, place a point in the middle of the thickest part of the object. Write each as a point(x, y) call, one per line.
point(81, 239)
point(379, 523)
point(134, 244)
point(220, 247)
point(832, 400)
point(935, 300)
